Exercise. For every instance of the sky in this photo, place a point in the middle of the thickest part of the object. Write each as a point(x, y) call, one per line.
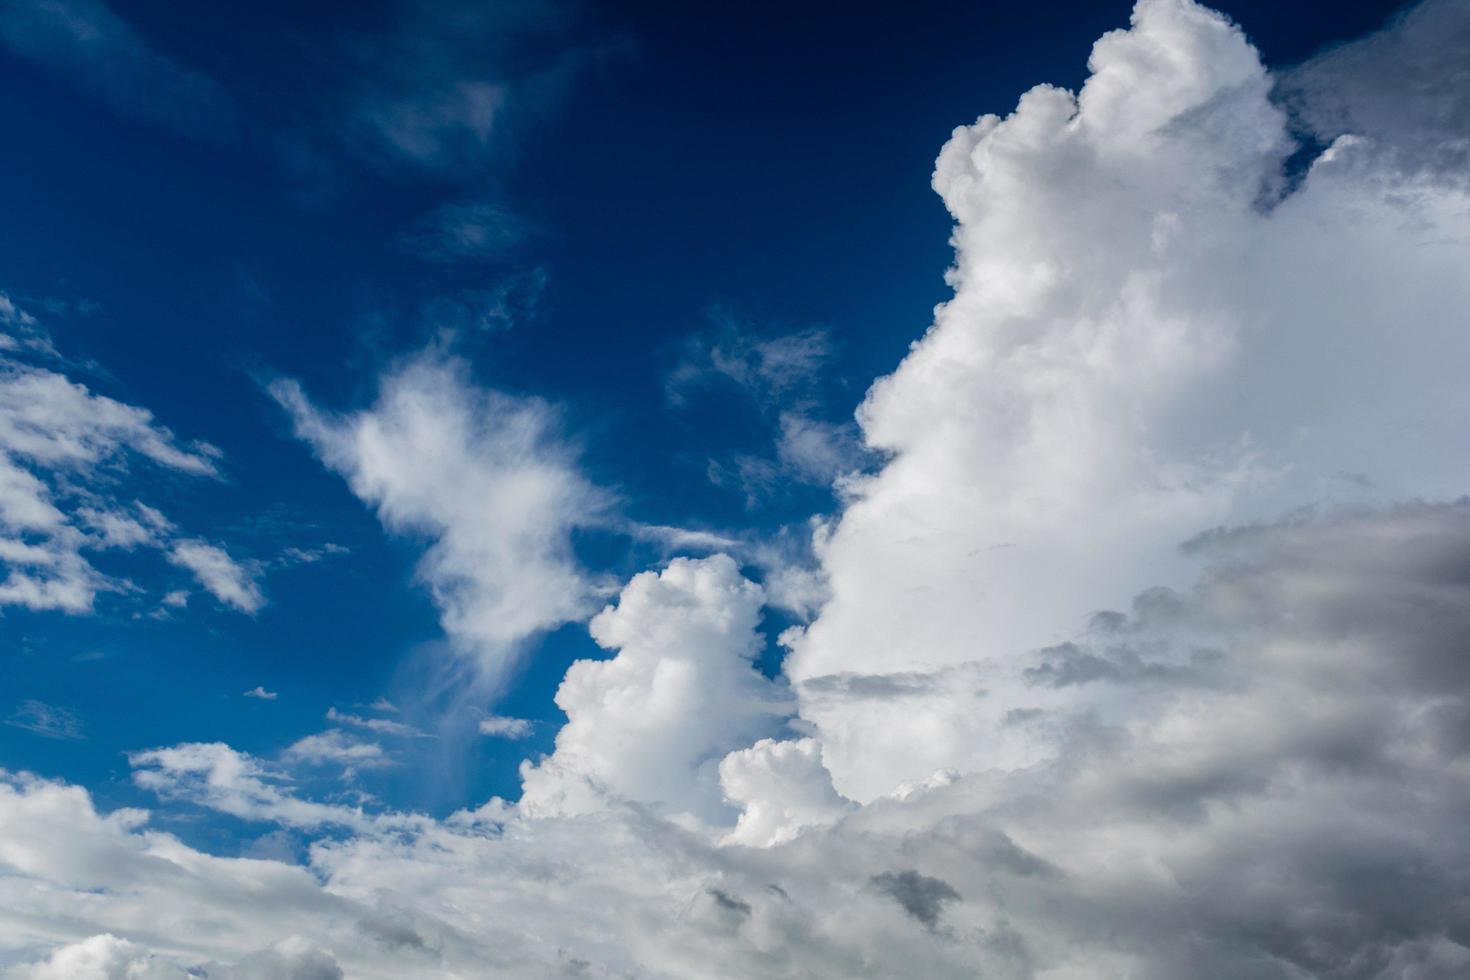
point(651, 490)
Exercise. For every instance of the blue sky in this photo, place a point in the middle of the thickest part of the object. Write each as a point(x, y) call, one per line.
point(452, 317)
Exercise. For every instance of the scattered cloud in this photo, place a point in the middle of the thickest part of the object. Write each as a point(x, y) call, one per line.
point(231, 582)
point(64, 451)
point(261, 694)
point(731, 351)
point(781, 376)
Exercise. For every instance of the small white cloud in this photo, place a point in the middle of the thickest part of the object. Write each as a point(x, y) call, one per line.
point(336, 747)
point(261, 694)
point(232, 583)
point(382, 726)
point(502, 727)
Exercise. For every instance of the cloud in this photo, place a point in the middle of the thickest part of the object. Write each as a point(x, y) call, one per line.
point(1078, 408)
point(652, 723)
point(435, 92)
point(514, 300)
point(733, 352)
point(780, 788)
point(106, 957)
point(105, 55)
point(383, 726)
point(101, 957)
point(63, 451)
point(46, 720)
point(486, 478)
point(261, 694)
point(499, 726)
point(918, 895)
point(465, 232)
point(780, 375)
point(336, 747)
point(214, 775)
point(228, 580)
point(1402, 91)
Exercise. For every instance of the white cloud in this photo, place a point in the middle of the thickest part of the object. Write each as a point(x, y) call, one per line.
point(231, 582)
point(780, 788)
point(1137, 348)
point(101, 957)
point(261, 694)
point(652, 723)
point(383, 726)
point(500, 726)
point(63, 450)
point(215, 775)
point(485, 477)
point(336, 747)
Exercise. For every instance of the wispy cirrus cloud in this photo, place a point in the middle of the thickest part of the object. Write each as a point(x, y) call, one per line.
point(111, 59)
point(46, 720)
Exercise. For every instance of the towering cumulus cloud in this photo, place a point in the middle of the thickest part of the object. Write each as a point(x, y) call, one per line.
point(1145, 651)
point(1145, 340)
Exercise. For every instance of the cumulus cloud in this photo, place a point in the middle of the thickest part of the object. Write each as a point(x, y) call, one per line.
point(652, 723)
point(1079, 408)
point(261, 694)
point(486, 478)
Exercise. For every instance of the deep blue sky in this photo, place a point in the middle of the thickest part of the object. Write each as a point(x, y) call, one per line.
point(668, 160)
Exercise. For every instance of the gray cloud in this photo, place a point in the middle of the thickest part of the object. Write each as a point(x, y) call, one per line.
point(919, 895)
